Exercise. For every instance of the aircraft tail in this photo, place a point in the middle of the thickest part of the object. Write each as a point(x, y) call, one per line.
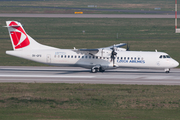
point(20, 39)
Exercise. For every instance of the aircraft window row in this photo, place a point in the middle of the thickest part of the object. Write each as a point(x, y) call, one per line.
point(129, 58)
point(86, 57)
point(96, 57)
point(164, 56)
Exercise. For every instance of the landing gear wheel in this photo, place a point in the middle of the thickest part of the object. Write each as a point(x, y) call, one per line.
point(101, 70)
point(93, 70)
point(167, 70)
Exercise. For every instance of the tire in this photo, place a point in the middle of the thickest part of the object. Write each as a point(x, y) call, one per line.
point(101, 70)
point(167, 70)
point(93, 70)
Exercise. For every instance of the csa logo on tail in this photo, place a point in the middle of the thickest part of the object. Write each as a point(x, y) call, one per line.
point(18, 36)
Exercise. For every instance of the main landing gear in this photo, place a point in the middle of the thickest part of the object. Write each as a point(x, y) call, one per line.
point(167, 70)
point(93, 70)
point(96, 69)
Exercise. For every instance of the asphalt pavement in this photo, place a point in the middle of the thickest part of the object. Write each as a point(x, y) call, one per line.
point(27, 74)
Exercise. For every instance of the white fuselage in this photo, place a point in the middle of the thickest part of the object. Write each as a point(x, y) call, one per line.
point(98, 59)
point(123, 59)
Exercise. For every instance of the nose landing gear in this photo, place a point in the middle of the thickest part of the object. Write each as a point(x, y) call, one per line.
point(167, 70)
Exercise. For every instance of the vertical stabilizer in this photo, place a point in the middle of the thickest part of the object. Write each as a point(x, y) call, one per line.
point(20, 39)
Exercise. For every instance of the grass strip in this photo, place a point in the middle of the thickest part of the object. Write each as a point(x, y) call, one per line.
point(88, 101)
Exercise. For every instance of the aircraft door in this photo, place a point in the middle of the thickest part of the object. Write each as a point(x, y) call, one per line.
point(48, 58)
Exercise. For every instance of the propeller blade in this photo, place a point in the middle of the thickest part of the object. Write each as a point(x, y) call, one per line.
point(128, 46)
point(113, 61)
point(113, 53)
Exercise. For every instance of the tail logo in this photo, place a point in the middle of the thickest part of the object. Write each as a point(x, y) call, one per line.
point(19, 37)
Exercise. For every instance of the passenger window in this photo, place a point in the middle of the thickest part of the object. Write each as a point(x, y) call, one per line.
point(124, 57)
point(61, 56)
point(138, 58)
point(117, 57)
point(103, 57)
point(71, 56)
point(96, 57)
point(86, 57)
point(54, 55)
point(121, 58)
point(68, 56)
point(82, 56)
point(128, 58)
point(160, 56)
point(131, 58)
point(74, 56)
point(78, 56)
point(93, 57)
point(65, 56)
point(89, 57)
point(135, 58)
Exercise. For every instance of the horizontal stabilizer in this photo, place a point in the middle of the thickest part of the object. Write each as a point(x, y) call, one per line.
point(12, 26)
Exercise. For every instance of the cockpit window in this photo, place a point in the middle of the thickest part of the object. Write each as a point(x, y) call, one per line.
point(168, 56)
point(164, 56)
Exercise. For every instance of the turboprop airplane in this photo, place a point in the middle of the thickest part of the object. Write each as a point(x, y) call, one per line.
point(99, 59)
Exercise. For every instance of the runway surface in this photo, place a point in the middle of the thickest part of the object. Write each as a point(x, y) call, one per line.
point(80, 75)
point(89, 15)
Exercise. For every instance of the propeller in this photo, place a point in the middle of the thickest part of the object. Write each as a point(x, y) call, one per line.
point(102, 53)
point(128, 47)
point(113, 53)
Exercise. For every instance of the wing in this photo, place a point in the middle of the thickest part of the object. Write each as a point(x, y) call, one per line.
point(116, 46)
point(95, 51)
point(87, 51)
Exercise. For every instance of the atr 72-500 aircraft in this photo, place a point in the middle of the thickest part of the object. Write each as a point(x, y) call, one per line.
point(99, 59)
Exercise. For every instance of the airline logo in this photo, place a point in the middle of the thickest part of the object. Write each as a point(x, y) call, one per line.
point(131, 61)
point(19, 37)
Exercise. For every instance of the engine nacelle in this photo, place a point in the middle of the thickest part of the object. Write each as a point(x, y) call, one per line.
point(104, 53)
point(120, 49)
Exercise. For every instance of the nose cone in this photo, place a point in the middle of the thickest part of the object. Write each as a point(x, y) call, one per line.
point(175, 63)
